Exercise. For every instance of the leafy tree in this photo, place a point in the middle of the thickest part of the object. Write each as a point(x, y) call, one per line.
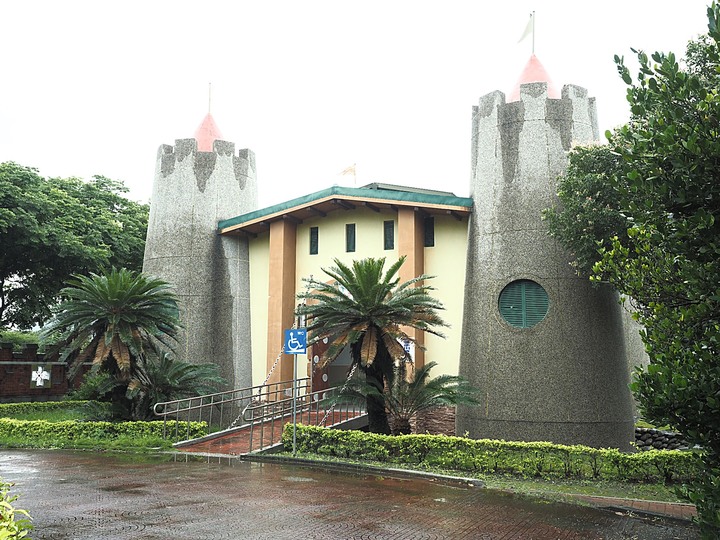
point(52, 228)
point(661, 177)
point(405, 398)
point(591, 215)
point(366, 310)
point(115, 321)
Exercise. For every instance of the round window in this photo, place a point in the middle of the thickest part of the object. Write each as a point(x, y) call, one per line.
point(523, 303)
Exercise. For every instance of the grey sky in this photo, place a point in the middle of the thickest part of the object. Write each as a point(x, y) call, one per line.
point(310, 86)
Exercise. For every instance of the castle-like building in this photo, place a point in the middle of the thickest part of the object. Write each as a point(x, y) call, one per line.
point(549, 352)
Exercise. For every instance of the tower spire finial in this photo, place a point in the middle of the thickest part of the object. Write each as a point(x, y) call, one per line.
point(210, 96)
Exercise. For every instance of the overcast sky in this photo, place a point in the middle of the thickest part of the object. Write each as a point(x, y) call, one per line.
point(310, 86)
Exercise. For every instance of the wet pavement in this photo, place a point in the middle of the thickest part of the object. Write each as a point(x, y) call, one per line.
point(81, 495)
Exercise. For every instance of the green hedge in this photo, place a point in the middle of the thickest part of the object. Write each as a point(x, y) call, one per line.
point(532, 459)
point(71, 430)
point(84, 434)
point(12, 409)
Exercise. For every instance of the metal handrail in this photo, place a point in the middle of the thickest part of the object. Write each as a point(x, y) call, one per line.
point(264, 409)
point(274, 412)
point(219, 410)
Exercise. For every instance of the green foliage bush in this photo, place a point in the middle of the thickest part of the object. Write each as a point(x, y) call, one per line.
point(92, 387)
point(18, 338)
point(532, 459)
point(41, 433)
point(14, 522)
point(86, 434)
point(25, 407)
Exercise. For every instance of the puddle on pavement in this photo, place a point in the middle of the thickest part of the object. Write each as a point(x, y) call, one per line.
point(17, 464)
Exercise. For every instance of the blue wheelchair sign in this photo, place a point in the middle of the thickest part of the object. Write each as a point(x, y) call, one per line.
point(295, 341)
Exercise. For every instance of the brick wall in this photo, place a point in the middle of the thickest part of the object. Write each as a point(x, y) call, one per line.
point(16, 374)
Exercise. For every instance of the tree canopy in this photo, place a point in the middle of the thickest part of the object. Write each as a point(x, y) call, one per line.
point(51, 228)
point(643, 214)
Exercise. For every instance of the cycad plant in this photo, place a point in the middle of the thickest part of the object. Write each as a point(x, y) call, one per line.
point(165, 379)
point(114, 321)
point(405, 397)
point(367, 309)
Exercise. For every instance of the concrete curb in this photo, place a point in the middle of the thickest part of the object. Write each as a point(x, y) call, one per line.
point(366, 469)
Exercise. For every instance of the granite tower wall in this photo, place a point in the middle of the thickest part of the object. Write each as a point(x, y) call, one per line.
point(192, 191)
point(564, 379)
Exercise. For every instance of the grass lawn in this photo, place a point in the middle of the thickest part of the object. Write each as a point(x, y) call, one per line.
point(555, 489)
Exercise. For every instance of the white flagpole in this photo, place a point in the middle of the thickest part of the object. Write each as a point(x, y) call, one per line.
point(533, 32)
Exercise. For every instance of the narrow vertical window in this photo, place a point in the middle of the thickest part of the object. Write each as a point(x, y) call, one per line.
point(313, 240)
point(429, 226)
point(350, 237)
point(389, 234)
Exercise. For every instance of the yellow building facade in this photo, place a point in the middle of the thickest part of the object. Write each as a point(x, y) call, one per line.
point(293, 241)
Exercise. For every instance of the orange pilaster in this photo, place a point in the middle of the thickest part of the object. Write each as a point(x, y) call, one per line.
point(411, 244)
point(281, 295)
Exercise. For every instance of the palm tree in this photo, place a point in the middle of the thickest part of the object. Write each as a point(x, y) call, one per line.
point(367, 311)
point(405, 398)
point(114, 321)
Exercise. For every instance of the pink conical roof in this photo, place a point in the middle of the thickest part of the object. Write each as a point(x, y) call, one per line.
point(207, 134)
point(534, 72)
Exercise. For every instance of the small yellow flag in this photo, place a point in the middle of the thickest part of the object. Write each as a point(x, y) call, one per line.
point(349, 170)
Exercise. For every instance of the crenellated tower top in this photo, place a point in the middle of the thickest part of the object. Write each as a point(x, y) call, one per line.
point(534, 125)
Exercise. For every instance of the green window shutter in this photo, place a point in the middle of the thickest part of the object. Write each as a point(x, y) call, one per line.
point(429, 231)
point(350, 237)
point(523, 303)
point(536, 303)
point(314, 243)
point(389, 234)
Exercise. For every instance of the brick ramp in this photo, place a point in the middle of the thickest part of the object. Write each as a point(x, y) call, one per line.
point(263, 434)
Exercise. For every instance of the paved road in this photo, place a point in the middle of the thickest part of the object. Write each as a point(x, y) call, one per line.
point(82, 496)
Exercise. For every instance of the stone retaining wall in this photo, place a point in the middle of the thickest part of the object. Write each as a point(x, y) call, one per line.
point(655, 439)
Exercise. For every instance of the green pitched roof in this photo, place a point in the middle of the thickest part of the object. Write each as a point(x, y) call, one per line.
point(375, 193)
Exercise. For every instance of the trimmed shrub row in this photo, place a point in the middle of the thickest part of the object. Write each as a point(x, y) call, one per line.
point(532, 459)
point(12, 409)
point(66, 432)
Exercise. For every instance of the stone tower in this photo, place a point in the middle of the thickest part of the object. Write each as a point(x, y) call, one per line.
point(198, 182)
point(544, 346)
